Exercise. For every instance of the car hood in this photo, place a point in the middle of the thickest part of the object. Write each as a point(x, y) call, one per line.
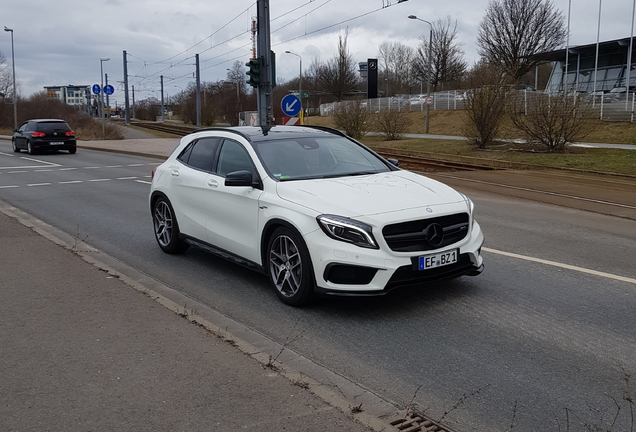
point(368, 194)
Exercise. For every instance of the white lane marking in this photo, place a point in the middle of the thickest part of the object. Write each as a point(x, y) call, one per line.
point(114, 166)
point(132, 165)
point(71, 182)
point(91, 167)
point(16, 172)
point(44, 170)
point(99, 180)
point(39, 184)
point(7, 187)
point(67, 169)
point(126, 178)
point(42, 162)
point(561, 265)
point(143, 181)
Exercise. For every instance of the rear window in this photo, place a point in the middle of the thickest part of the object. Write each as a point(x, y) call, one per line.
point(50, 127)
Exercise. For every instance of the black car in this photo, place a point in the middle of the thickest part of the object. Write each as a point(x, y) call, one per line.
point(44, 135)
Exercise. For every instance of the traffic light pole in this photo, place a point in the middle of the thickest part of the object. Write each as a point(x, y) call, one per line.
point(265, 96)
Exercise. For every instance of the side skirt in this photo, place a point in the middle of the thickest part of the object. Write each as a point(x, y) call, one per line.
point(224, 254)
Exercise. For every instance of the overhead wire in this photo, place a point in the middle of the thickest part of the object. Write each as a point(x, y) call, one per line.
point(248, 44)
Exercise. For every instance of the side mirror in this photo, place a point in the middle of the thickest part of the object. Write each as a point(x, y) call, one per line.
point(394, 162)
point(241, 178)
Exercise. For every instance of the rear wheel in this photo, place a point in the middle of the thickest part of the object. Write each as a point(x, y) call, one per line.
point(30, 149)
point(72, 150)
point(167, 228)
point(289, 266)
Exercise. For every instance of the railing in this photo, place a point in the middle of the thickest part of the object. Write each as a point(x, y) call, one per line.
point(607, 106)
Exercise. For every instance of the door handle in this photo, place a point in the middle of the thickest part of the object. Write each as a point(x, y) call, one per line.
point(174, 173)
point(213, 183)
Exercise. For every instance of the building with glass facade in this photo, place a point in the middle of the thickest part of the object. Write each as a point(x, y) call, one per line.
point(592, 68)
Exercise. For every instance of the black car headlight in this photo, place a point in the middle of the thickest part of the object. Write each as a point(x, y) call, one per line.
point(348, 230)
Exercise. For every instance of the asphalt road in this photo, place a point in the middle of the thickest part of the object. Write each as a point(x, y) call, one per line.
point(523, 342)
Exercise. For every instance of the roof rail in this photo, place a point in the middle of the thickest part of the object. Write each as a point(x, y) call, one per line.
point(222, 129)
point(326, 129)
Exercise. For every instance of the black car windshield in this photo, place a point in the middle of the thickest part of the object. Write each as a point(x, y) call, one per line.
point(317, 157)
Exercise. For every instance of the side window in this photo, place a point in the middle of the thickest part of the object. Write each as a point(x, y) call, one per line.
point(23, 127)
point(233, 157)
point(201, 153)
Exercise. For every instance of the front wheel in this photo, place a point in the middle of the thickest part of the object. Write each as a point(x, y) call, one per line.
point(289, 266)
point(166, 227)
point(15, 146)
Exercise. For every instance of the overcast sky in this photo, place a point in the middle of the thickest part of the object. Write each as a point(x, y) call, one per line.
point(60, 42)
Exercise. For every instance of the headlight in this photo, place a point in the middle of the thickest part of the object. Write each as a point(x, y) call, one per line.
point(347, 230)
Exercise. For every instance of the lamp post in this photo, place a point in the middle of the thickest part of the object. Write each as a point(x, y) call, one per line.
point(15, 94)
point(101, 94)
point(300, 87)
point(430, 69)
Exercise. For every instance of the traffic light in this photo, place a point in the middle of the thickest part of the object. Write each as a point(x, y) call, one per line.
point(254, 73)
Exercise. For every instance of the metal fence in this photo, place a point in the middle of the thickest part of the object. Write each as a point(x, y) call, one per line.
point(606, 106)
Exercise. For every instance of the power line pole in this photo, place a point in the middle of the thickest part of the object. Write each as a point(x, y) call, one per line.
point(198, 95)
point(127, 102)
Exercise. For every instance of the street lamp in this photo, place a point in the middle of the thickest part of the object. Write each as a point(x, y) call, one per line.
point(101, 94)
point(430, 69)
point(15, 97)
point(300, 86)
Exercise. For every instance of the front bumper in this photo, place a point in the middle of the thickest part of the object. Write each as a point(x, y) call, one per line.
point(347, 270)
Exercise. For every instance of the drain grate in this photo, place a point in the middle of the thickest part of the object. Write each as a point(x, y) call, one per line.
point(415, 422)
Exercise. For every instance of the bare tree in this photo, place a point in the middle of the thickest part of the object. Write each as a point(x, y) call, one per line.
point(353, 117)
point(512, 31)
point(447, 62)
point(485, 107)
point(397, 59)
point(554, 121)
point(339, 75)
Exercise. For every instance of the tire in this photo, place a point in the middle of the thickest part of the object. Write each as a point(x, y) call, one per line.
point(289, 267)
point(15, 146)
point(166, 227)
point(30, 149)
point(72, 150)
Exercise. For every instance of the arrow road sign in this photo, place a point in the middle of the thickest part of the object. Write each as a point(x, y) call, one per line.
point(291, 105)
point(96, 89)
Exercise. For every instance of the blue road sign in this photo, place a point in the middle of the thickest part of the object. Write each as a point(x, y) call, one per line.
point(96, 89)
point(291, 105)
point(109, 89)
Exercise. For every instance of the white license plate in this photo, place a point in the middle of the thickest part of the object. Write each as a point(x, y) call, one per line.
point(57, 143)
point(427, 262)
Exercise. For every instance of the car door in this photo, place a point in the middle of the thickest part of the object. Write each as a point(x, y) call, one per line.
point(232, 211)
point(20, 139)
point(189, 187)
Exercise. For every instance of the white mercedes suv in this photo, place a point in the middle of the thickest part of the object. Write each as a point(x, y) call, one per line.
point(313, 209)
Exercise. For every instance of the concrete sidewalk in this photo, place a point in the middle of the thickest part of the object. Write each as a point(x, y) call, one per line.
point(81, 350)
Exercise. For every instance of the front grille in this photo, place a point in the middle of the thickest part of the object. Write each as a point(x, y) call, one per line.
point(412, 236)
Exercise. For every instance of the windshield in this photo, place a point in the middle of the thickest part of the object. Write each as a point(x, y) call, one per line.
point(317, 157)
